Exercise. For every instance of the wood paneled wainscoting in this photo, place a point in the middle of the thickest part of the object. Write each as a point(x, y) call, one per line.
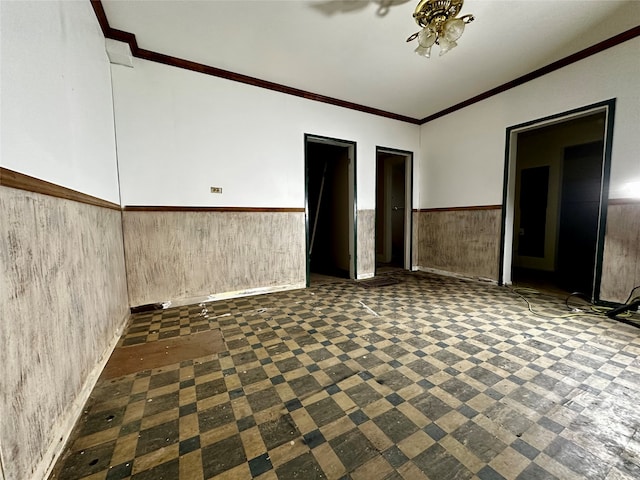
point(366, 243)
point(462, 241)
point(182, 253)
point(621, 260)
point(63, 306)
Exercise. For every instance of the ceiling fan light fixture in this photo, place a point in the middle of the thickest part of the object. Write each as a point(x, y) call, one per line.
point(440, 24)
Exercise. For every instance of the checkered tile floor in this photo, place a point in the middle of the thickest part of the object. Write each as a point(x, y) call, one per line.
point(431, 378)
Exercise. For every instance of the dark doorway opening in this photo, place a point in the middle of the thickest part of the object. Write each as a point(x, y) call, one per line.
point(393, 210)
point(579, 209)
point(330, 208)
point(557, 214)
point(534, 190)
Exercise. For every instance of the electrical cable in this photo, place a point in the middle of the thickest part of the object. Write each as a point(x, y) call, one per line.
point(518, 291)
point(576, 312)
point(631, 293)
point(574, 294)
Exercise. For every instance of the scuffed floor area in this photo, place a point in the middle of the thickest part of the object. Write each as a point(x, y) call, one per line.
point(430, 378)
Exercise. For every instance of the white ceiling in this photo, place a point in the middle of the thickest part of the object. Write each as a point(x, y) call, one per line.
point(349, 50)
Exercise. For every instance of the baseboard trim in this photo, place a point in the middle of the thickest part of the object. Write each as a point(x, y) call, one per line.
point(214, 297)
point(74, 411)
point(456, 275)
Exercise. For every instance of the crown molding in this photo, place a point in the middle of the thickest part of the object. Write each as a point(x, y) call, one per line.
point(152, 56)
point(157, 57)
point(563, 62)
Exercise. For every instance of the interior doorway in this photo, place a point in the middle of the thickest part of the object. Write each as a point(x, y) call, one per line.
point(393, 209)
point(578, 224)
point(555, 198)
point(330, 207)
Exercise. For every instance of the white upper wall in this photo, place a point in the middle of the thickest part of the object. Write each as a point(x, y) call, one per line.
point(463, 153)
point(180, 133)
point(57, 113)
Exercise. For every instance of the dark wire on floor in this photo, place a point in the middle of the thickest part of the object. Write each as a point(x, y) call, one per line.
point(630, 294)
point(604, 310)
point(575, 311)
point(521, 291)
point(575, 294)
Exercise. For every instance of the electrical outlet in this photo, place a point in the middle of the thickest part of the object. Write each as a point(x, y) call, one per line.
point(216, 189)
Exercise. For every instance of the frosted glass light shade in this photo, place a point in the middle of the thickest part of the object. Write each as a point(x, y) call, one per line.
point(423, 51)
point(446, 45)
point(426, 37)
point(453, 29)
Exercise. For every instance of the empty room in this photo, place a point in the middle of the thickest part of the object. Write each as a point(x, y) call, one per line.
point(320, 239)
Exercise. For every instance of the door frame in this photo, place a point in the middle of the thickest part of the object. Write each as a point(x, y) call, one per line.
point(408, 204)
point(509, 186)
point(353, 212)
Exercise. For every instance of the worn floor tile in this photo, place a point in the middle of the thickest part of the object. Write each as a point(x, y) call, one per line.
point(427, 378)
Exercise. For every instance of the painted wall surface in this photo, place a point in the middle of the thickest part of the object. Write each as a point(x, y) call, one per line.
point(63, 297)
point(181, 255)
point(57, 120)
point(463, 153)
point(181, 132)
